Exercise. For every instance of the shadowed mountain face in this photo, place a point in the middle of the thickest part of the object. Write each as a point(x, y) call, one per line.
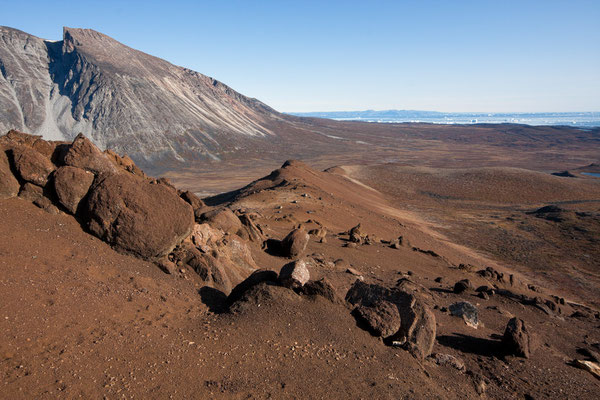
point(122, 98)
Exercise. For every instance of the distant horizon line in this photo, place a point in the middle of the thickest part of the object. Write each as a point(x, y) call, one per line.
point(442, 112)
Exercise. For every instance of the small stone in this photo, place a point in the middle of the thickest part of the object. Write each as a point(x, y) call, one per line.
point(467, 311)
point(462, 286)
point(448, 360)
point(294, 275)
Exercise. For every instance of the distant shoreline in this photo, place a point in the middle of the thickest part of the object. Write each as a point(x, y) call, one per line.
point(572, 119)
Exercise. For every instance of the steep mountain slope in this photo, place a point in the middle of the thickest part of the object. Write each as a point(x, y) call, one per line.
point(122, 98)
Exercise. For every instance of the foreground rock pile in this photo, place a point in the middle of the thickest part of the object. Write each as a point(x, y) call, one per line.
point(112, 198)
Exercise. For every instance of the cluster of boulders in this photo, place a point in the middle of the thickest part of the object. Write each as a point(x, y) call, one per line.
point(115, 201)
point(111, 197)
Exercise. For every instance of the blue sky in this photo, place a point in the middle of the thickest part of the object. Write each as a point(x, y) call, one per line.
point(490, 56)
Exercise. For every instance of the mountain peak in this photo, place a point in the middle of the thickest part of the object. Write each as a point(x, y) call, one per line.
point(122, 99)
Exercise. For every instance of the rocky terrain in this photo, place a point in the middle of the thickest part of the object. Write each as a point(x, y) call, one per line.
point(354, 282)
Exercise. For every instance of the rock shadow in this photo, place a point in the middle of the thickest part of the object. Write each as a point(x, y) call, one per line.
point(214, 299)
point(472, 345)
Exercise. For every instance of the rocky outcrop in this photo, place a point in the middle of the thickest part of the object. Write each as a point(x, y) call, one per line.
point(123, 99)
point(417, 329)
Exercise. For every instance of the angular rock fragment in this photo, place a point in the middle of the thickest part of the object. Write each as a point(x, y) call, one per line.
point(84, 154)
point(294, 275)
point(467, 311)
point(448, 360)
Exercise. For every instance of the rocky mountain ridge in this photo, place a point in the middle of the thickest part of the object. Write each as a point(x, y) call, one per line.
point(121, 99)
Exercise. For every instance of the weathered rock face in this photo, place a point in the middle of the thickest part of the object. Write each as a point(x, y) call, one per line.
point(136, 216)
point(93, 84)
point(294, 244)
point(31, 165)
point(294, 275)
point(417, 329)
point(223, 219)
point(85, 155)
point(382, 318)
point(9, 186)
point(71, 185)
point(518, 340)
point(220, 259)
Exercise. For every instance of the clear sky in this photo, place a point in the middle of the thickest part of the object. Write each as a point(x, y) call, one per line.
point(491, 56)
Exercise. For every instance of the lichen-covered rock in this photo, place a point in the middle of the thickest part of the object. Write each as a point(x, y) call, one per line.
point(9, 185)
point(71, 185)
point(136, 216)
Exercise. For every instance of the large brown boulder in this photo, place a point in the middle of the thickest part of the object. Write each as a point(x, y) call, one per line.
point(223, 219)
point(32, 166)
point(71, 184)
point(294, 244)
point(9, 186)
point(136, 216)
point(417, 328)
point(84, 154)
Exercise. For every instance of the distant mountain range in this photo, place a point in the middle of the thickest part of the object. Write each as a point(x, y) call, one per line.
point(584, 119)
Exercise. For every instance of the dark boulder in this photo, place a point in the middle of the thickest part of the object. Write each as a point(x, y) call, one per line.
point(462, 286)
point(381, 319)
point(259, 276)
point(418, 326)
point(322, 288)
point(518, 340)
point(294, 244)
